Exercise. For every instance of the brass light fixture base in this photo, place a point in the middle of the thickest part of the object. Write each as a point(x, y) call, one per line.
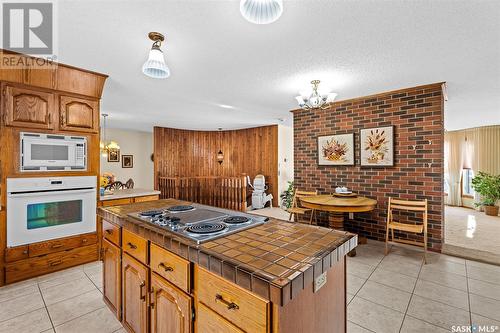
point(156, 36)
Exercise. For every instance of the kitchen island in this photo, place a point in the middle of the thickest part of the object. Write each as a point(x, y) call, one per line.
point(274, 277)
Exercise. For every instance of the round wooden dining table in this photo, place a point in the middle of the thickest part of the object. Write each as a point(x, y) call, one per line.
point(337, 207)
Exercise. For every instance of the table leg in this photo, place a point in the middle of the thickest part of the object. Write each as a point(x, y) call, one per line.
point(336, 221)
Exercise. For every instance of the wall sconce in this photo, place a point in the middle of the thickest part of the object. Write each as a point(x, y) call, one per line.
point(220, 157)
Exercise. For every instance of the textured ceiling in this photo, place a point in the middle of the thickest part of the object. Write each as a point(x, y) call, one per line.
point(356, 48)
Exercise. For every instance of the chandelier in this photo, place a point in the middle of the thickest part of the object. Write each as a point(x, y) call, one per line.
point(155, 66)
point(261, 11)
point(315, 100)
point(104, 146)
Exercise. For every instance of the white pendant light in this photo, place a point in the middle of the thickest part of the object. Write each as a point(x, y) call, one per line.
point(261, 11)
point(155, 66)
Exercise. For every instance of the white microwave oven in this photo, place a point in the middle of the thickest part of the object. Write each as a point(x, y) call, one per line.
point(52, 152)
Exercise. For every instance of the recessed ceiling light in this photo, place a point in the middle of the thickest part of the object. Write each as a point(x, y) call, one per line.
point(225, 106)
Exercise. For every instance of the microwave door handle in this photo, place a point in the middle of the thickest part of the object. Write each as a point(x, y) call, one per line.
point(37, 194)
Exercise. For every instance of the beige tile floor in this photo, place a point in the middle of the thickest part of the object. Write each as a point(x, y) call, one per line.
point(472, 234)
point(66, 301)
point(393, 293)
point(397, 293)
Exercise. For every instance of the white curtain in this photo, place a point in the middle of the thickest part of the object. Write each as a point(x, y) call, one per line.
point(454, 147)
point(484, 150)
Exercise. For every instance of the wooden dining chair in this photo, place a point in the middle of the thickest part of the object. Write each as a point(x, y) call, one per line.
point(296, 210)
point(117, 185)
point(129, 183)
point(396, 205)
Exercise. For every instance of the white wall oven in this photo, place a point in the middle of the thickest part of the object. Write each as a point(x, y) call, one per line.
point(52, 152)
point(40, 209)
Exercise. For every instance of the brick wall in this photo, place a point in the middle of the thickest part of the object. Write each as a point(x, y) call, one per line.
point(417, 114)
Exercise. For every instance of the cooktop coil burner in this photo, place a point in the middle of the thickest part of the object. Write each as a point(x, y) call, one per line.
point(175, 209)
point(236, 219)
point(151, 213)
point(206, 228)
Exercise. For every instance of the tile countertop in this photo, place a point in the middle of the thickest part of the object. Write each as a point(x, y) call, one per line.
point(128, 193)
point(275, 260)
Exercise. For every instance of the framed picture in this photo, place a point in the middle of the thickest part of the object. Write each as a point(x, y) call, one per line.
point(114, 155)
point(127, 161)
point(377, 146)
point(336, 149)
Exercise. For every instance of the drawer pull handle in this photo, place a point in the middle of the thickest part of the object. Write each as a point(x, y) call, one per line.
point(56, 246)
point(132, 246)
point(109, 231)
point(166, 268)
point(230, 305)
point(55, 263)
point(143, 296)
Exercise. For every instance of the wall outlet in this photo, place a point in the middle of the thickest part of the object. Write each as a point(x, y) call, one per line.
point(319, 282)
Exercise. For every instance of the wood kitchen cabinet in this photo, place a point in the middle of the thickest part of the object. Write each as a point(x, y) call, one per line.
point(135, 288)
point(208, 321)
point(112, 276)
point(28, 108)
point(78, 114)
point(171, 309)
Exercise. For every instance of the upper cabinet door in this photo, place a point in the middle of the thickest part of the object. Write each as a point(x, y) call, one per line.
point(170, 308)
point(28, 108)
point(78, 114)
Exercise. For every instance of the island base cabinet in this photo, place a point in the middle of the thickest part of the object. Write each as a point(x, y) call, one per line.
point(171, 309)
point(208, 321)
point(112, 276)
point(135, 288)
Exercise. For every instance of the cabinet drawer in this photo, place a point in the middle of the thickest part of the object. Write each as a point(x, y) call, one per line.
point(208, 321)
point(244, 309)
point(146, 198)
point(111, 232)
point(116, 202)
point(135, 245)
point(170, 266)
point(27, 268)
point(16, 253)
point(61, 244)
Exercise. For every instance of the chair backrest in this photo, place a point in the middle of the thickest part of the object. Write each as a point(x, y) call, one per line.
point(415, 206)
point(300, 194)
point(114, 186)
point(129, 183)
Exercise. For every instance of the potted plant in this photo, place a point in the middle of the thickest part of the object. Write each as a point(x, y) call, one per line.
point(488, 186)
point(287, 196)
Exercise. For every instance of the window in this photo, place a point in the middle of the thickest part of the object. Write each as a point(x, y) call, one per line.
point(467, 175)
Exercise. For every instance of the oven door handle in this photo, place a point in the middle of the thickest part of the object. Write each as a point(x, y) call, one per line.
point(38, 194)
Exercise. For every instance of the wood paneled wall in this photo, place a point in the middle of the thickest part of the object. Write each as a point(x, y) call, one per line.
point(186, 153)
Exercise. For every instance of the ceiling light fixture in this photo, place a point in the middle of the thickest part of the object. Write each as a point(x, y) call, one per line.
point(225, 106)
point(155, 66)
point(261, 11)
point(315, 100)
point(104, 146)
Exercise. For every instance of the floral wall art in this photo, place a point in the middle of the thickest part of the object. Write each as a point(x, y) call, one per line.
point(336, 149)
point(377, 146)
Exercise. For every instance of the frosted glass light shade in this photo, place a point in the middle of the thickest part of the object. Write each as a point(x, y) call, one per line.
point(155, 66)
point(261, 11)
